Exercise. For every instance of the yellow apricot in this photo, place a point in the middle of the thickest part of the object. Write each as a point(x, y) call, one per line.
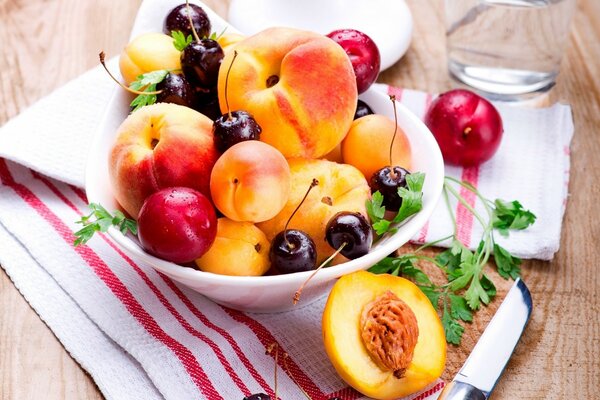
point(362, 369)
point(148, 52)
point(240, 249)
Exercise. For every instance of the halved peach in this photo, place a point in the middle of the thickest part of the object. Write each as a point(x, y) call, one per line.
point(350, 300)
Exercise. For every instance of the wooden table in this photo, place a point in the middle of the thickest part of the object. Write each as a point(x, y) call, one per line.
point(43, 44)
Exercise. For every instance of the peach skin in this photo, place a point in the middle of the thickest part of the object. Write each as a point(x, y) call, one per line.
point(298, 85)
point(341, 187)
point(250, 182)
point(367, 145)
point(159, 146)
point(148, 52)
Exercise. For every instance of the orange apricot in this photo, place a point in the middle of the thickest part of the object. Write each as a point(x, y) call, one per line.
point(367, 145)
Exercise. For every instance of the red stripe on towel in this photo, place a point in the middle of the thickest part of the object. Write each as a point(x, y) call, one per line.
point(221, 357)
point(109, 278)
point(464, 218)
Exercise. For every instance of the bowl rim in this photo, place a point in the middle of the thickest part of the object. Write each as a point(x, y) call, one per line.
point(392, 242)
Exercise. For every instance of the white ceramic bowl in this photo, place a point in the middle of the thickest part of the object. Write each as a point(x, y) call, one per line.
point(266, 293)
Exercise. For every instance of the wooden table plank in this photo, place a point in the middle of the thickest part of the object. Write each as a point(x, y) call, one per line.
point(44, 44)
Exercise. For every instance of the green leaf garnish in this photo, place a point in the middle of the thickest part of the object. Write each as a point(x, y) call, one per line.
point(99, 220)
point(467, 285)
point(147, 83)
point(180, 41)
point(412, 203)
point(511, 216)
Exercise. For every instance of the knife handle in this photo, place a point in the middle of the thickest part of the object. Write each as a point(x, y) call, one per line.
point(461, 391)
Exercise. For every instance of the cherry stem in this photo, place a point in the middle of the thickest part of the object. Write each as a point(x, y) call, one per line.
point(189, 15)
point(269, 351)
point(331, 257)
point(130, 90)
point(393, 99)
point(227, 84)
point(312, 185)
point(287, 370)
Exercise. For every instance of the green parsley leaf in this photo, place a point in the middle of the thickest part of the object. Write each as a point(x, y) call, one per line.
point(507, 264)
point(180, 41)
point(432, 294)
point(459, 308)
point(99, 220)
point(511, 216)
point(147, 83)
point(452, 328)
point(374, 207)
point(412, 196)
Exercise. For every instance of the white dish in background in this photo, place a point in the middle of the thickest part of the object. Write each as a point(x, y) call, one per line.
point(264, 293)
point(388, 22)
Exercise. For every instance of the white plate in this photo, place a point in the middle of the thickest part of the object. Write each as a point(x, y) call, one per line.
point(264, 293)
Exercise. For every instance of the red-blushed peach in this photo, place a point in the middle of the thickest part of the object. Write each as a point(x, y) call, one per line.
point(250, 182)
point(148, 52)
point(298, 85)
point(159, 146)
point(367, 145)
point(341, 187)
point(240, 249)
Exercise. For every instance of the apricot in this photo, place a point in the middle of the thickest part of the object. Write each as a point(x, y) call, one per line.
point(382, 335)
point(240, 249)
point(227, 41)
point(367, 145)
point(148, 52)
point(250, 182)
point(340, 187)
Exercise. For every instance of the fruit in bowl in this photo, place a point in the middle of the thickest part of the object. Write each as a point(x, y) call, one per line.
point(309, 117)
point(159, 146)
point(146, 53)
point(298, 85)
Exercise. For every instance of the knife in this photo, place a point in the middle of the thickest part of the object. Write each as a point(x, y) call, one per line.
point(480, 373)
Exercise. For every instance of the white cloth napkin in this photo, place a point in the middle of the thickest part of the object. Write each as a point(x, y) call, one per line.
point(142, 336)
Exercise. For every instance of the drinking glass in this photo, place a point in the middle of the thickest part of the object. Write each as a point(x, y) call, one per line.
point(507, 49)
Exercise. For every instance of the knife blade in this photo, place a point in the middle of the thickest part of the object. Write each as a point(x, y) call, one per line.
point(480, 373)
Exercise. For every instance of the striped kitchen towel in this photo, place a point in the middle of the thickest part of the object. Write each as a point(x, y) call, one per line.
point(139, 334)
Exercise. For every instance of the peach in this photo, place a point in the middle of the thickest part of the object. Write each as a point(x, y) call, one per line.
point(148, 52)
point(250, 182)
point(159, 146)
point(240, 249)
point(404, 309)
point(367, 145)
point(341, 188)
point(298, 85)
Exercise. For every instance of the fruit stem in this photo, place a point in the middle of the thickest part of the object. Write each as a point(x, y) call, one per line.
point(130, 90)
point(393, 99)
point(312, 185)
point(189, 15)
point(331, 257)
point(269, 351)
point(235, 53)
point(287, 370)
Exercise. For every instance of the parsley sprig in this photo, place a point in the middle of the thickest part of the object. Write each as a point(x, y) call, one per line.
point(412, 203)
point(467, 286)
point(99, 220)
point(147, 83)
point(180, 41)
